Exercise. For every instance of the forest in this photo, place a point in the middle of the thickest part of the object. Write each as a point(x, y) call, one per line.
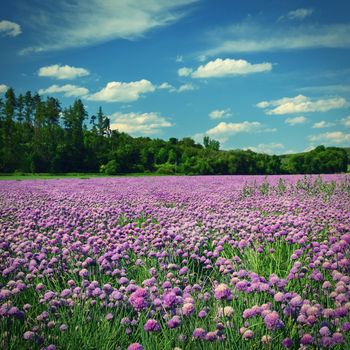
point(37, 135)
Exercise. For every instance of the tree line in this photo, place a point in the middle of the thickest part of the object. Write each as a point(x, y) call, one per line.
point(37, 135)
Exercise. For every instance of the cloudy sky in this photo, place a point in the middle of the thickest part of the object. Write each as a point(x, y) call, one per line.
point(272, 76)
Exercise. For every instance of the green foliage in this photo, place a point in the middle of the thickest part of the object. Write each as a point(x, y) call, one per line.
point(37, 136)
point(111, 168)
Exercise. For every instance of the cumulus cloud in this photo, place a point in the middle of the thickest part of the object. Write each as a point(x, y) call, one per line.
point(3, 88)
point(181, 88)
point(184, 71)
point(166, 86)
point(65, 24)
point(8, 28)
point(62, 72)
point(68, 90)
point(295, 120)
point(331, 137)
point(229, 67)
point(346, 121)
point(139, 123)
point(268, 148)
point(322, 124)
point(116, 91)
point(302, 104)
point(223, 130)
point(220, 113)
point(252, 36)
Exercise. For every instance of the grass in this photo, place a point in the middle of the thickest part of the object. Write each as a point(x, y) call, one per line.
point(48, 176)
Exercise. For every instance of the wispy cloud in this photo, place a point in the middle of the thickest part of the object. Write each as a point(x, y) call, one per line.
point(139, 123)
point(295, 120)
point(334, 137)
point(187, 87)
point(322, 124)
point(62, 72)
point(223, 131)
point(252, 36)
point(116, 91)
point(220, 113)
point(8, 28)
point(219, 68)
point(68, 90)
point(346, 121)
point(298, 14)
point(268, 148)
point(326, 89)
point(69, 24)
point(3, 88)
point(301, 104)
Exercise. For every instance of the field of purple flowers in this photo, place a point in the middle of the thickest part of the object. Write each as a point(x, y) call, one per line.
point(231, 262)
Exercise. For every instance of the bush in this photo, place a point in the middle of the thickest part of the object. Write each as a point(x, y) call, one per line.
point(111, 168)
point(166, 169)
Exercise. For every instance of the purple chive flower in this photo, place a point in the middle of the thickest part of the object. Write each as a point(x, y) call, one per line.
point(202, 314)
point(287, 343)
point(248, 334)
point(169, 300)
point(28, 335)
point(138, 299)
point(199, 333)
point(151, 326)
point(183, 270)
point(272, 321)
point(338, 338)
point(174, 322)
point(63, 328)
point(188, 309)
point(324, 331)
point(109, 316)
point(211, 336)
point(222, 291)
point(135, 346)
point(306, 339)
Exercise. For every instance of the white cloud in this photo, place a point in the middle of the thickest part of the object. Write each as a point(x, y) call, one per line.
point(331, 137)
point(346, 121)
point(223, 130)
point(181, 88)
point(339, 88)
point(68, 90)
point(8, 28)
point(66, 24)
point(229, 67)
point(252, 36)
point(166, 86)
point(3, 88)
point(62, 72)
point(295, 120)
point(322, 124)
point(268, 148)
point(139, 123)
point(299, 14)
point(302, 104)
point(220, 113)
point(116, 91)
point(186, 87)
point(184, 71)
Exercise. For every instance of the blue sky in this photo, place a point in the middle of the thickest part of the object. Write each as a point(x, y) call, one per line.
point(272, 76)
